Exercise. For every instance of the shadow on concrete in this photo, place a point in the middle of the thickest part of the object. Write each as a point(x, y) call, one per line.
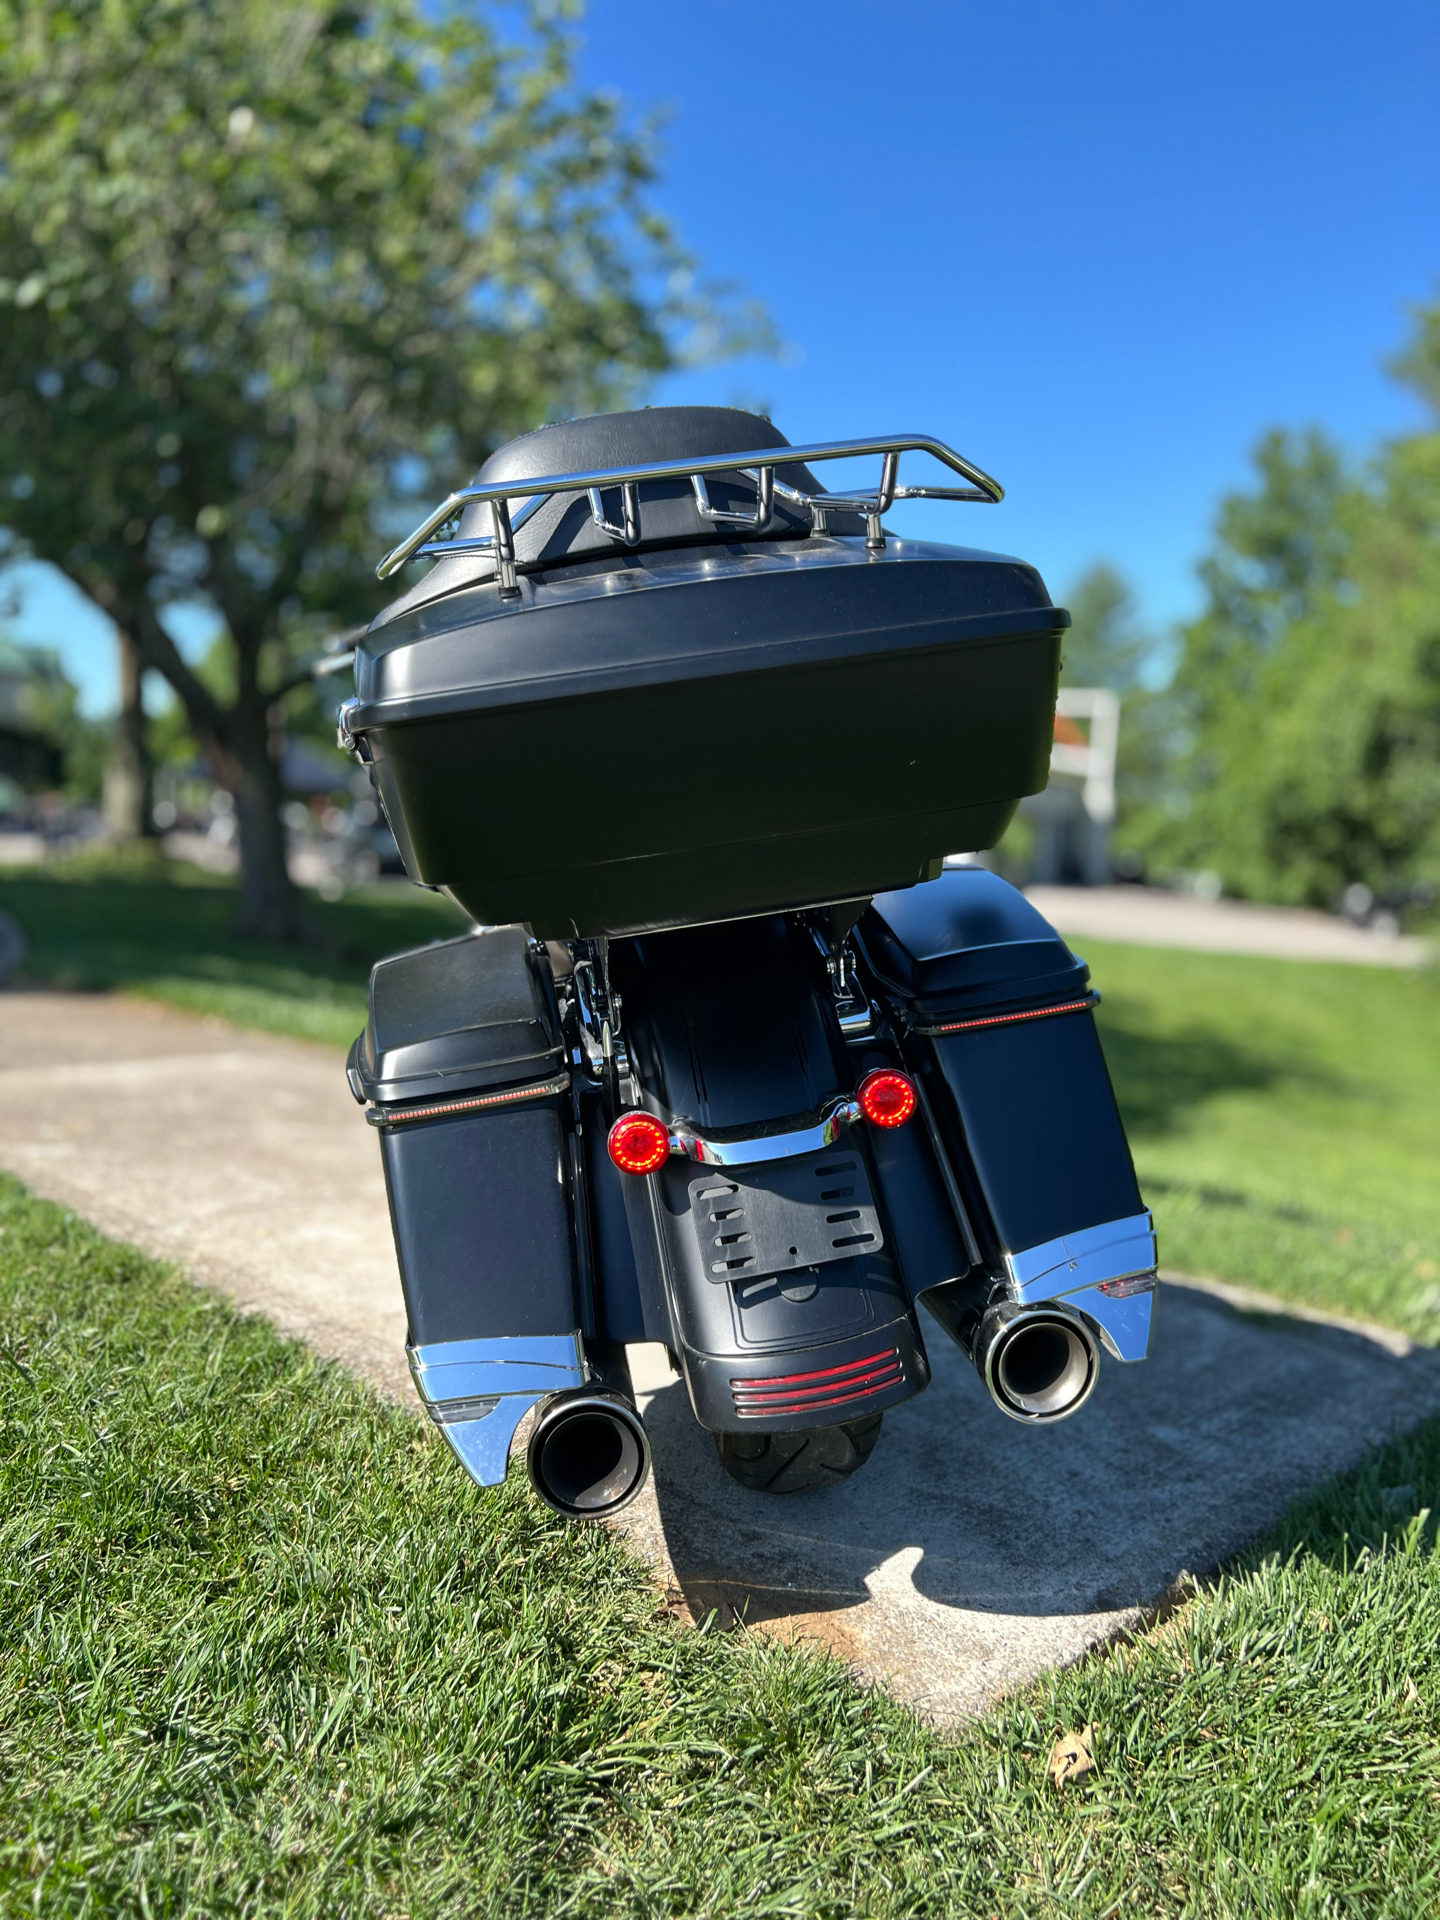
point(1172, 1466)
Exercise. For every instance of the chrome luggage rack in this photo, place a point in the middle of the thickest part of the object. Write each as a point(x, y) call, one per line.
point(758, 465)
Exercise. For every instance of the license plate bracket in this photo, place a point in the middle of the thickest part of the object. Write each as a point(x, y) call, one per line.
point(788, 1215)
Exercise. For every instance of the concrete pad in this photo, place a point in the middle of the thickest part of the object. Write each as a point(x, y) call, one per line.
point(970, 1553)
point(1151, 917)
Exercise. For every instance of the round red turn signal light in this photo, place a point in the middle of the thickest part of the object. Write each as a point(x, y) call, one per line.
point(886, 1099)
point(638, 1143)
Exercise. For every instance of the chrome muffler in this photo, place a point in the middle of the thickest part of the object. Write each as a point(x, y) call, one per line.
point(589, 1454)
point(1039, 1363)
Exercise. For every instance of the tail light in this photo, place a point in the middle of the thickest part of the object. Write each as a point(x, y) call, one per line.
point(638, 1143)
point(887, 1099)
point(795, 1394)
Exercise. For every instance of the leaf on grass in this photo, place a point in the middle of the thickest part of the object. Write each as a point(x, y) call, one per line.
point(1073, 1755)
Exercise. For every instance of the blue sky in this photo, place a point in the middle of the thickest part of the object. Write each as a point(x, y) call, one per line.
point(1097, 247)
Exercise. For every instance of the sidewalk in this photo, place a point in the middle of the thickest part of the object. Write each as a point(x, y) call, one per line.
point(1150, 917)
point(968, 1556)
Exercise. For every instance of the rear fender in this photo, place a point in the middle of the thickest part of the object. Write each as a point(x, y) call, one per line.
point(734, 1027)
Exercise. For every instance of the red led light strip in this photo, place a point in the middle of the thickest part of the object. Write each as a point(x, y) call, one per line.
point(767, 1410)
point(1010, 1019)
point(821, 1373)
point(826, 1387)
point(511, 1096)
point(799, 1395)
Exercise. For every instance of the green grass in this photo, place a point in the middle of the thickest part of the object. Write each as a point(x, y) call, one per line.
point(264, 1651)
point(1285, 1119)
point(161, 930)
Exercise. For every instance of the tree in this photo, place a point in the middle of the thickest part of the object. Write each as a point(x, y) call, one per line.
point(1110, 645)
point(125, 801)
point(1106, 644)
point(1311, 682)
point(46, 744)
point(272, 278)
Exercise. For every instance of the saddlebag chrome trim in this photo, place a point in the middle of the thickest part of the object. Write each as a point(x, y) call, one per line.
point(478, 1391)
point(1122, 1321)
point(1105, 1272)
point(469, 1369)
point(1110, 1251)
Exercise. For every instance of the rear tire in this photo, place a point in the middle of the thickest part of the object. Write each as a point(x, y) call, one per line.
point(798, 1462)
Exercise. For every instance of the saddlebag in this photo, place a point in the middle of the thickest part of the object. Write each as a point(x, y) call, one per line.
point(464, 1078)
point(994, 1018)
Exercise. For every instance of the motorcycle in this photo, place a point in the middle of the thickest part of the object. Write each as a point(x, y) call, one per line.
point(734, 1061)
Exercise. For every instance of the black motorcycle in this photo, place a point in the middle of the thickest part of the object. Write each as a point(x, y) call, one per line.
point(736, 1062)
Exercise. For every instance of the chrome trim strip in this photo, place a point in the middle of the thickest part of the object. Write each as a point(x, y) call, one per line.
point(478, 1391)
point(1123, 1324)
point(473, 1369)
point(1083, 1005)
point(541, 1349)
point(483, 1446)
point(763, 460)
point(747, 1152)
point(1075, 1269)
point(1083, 1259)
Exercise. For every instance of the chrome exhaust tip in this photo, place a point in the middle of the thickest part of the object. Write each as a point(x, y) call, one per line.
point(1039, 1364)
point(589, 1455)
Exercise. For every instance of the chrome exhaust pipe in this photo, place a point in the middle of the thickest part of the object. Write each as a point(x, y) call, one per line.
point(589, 1454)
point(1039, 1364)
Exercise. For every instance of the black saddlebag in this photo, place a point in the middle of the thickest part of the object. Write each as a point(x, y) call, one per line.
point(464, 1077)
point(994, 1017)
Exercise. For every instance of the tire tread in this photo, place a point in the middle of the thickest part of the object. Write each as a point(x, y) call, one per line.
point(804, 1462)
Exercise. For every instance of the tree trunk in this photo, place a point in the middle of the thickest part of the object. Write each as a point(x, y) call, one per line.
point(125, 798)
point(242, 743)
point(270, 906)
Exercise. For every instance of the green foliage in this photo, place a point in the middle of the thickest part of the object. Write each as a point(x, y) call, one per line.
point(1419, 364)
point(38, 700)
point(1106, 644)
point(1109, 645)
point(264, 1651)
point(1280, 550)
point(272, 276)
point(1310, 686)
point(271, 273)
